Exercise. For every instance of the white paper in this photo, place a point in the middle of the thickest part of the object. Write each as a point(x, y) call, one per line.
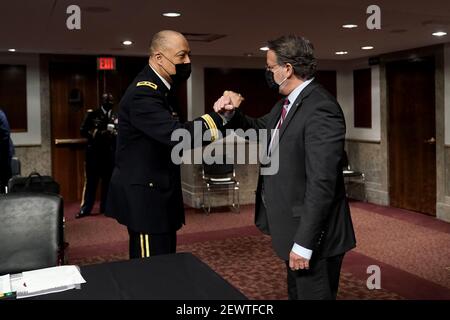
point(5, 284)
point(48, 280)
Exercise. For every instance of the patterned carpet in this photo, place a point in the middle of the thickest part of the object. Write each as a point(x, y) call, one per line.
point(412, 251)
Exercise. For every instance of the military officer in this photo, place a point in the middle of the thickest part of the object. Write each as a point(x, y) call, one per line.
point(145, 191)
point(99, 127)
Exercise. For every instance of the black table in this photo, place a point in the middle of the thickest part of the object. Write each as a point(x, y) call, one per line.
point(180, 276)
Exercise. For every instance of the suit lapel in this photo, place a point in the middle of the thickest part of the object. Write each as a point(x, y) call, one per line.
point(274, 120)
point(296, 105)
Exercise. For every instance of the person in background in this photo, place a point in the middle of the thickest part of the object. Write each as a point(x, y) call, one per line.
point(6, 151)
point(99, 127)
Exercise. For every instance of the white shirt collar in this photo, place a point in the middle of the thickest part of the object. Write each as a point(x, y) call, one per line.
point(296, 92)
point(166, 83)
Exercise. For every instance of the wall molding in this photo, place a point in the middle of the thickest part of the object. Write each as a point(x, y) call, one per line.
point(362, 141)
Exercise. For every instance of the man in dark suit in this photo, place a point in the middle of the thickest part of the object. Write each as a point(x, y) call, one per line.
point(303, 206)
point(99, 128)
point(145, 191)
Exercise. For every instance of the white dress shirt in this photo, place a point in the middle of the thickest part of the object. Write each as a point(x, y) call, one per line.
point(291, 97)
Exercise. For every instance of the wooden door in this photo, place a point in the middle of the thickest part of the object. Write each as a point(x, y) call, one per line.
point(73, 90)
point(412, 135)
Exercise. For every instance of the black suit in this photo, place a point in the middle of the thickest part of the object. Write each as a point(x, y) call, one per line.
point(145, 190)
point(305, 201)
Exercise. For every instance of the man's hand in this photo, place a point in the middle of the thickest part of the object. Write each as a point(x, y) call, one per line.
point(297, 262)
point(236, 98)
point(224, 104)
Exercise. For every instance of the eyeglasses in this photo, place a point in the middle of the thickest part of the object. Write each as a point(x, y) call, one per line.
point(271, 68)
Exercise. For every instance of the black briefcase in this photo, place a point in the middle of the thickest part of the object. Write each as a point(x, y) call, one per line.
point(33, 183)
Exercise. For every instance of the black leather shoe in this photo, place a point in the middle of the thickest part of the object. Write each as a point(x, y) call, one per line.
point(82, 215)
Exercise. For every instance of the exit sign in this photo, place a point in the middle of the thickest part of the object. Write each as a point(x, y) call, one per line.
point(106, 63)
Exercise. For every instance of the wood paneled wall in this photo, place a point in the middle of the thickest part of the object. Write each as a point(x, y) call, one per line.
point(13, 95)
point(362, 95)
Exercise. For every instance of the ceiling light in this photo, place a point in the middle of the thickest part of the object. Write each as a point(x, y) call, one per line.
point(339, 53)
point(264, 48)
point(440, 34)
point(12, 50)
point(367, 48)
point(127, 42)
point(350, 26)
point(171, 14)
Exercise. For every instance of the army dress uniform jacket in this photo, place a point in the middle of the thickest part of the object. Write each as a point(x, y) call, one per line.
point(145, 190)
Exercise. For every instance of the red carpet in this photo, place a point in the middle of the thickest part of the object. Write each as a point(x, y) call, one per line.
point(411, 249)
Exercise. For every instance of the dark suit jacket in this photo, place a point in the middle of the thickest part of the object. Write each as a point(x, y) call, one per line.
point(145, 190)
point(6, 151)
point(305, 202)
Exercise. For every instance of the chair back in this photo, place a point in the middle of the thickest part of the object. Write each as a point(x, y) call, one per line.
point(31, 230)
point(15, 166)
point(217, 170)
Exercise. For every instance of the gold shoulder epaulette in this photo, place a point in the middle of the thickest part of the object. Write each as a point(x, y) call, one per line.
point(148, 84)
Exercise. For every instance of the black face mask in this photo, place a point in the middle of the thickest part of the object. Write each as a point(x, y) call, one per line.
point(107, 105)
point(183, 72)
point(271, 81)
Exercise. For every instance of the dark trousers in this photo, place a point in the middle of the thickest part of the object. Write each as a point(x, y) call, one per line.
point(146, 245)
point(320, 282)
point(5, 167)
point(96, 169)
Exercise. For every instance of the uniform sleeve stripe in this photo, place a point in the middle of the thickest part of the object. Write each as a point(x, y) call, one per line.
point(212, 126)
point(210, 121)
point(142, 245)
point(206, 120)
point(147, 245)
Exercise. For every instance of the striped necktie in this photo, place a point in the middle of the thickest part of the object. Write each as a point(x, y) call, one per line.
point(283, 112)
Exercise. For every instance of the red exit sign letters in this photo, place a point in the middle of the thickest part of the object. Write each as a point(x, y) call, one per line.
point(106, 63)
